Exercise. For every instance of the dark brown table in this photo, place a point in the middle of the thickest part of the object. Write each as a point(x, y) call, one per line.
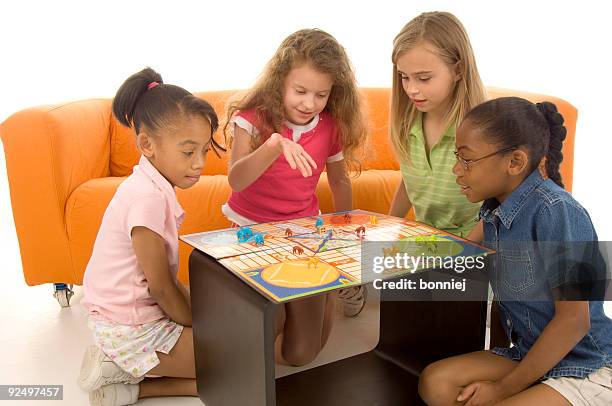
point(233, 327)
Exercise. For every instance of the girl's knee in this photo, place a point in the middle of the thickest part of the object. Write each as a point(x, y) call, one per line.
point(305, 330)
point(435, 385)
point(301, 353)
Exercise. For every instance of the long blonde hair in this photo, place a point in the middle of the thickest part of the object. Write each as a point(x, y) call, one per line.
point(447, 35)
point(323, 53)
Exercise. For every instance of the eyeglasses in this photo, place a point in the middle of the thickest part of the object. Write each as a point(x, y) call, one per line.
point(467, 162)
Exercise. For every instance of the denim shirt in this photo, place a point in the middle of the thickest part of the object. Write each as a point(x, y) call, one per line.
point(538, 219)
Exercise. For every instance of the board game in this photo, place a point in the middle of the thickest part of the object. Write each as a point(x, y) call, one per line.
point(286, 260)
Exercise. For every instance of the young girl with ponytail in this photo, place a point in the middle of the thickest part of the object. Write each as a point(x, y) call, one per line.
point(562, 349)
point(139, 312)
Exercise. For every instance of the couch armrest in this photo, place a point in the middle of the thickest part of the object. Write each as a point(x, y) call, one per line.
point(50, 150)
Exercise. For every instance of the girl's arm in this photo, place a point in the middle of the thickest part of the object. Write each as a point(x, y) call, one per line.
point(477, 233)
point(185, 292)
point(569, 325)
point(340, 185)
point(401, 202)
point(246, 166)
point(150, 251)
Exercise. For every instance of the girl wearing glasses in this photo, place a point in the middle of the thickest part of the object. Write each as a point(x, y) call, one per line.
point(435, 83)
point(562, 342)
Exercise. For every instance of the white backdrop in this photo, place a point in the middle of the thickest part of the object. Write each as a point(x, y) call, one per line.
point(53, 51)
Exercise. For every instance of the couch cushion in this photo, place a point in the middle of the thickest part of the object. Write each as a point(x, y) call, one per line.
point(373, 190)
point(379, 152)
point(123, 152)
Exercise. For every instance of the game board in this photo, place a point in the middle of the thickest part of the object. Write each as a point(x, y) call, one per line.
point(314, 254)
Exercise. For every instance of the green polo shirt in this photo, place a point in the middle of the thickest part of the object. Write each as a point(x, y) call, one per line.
point(431, 186)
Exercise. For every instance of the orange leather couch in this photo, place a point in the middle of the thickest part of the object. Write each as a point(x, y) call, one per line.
point(64, 163)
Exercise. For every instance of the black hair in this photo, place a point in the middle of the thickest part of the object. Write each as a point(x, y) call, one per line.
point(513, 122)
point(144, 100)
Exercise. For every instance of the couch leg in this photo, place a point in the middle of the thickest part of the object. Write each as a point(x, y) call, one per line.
point(63, 293)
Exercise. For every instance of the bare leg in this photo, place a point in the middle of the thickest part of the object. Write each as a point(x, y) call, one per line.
point(279, 326)
point(152, 387)
point(279, 321)
point(328, 317)
point(306, 329)
point(179, 363)
point(441, 382)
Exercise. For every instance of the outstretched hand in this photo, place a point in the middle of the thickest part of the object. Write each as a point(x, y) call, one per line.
point(294, 153)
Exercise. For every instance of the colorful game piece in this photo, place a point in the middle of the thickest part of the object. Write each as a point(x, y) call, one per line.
point(428, 243)
point(288, 232)
point(360, 231)
point(259, 239)
point(319, 222)
point(298, 250)
point(373, 220)
point(244, 234)
point(313, 261)
point(390, 252)
point(347, 218)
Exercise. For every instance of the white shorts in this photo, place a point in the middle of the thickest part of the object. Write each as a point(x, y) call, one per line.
point(133, 348)
point(236, 218)
point(594, 390)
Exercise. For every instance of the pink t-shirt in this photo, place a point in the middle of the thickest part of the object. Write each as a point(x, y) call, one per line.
point(115, 287)
point(282, 193)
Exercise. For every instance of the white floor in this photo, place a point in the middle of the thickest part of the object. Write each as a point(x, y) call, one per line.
point(42, 343)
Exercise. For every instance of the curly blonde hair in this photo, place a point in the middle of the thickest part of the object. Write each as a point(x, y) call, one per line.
point(448, 37)
point(323, 53)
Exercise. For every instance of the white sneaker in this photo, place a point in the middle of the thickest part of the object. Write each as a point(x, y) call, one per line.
point(353, 300)
point(117, 394)
point(98, 370)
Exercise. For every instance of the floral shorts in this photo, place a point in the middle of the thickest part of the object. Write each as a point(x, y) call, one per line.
point(133, 348)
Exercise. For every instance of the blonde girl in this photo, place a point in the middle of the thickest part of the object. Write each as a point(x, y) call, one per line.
point(435, 83)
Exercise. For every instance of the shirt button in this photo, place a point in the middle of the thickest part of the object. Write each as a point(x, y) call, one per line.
point(508, 322)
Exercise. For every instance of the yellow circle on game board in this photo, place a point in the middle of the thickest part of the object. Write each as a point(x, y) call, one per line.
point(301, 273)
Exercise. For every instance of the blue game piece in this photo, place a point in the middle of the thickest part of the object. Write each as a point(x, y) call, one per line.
point(244, 234)
point(319, 222)
point(259, 239)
